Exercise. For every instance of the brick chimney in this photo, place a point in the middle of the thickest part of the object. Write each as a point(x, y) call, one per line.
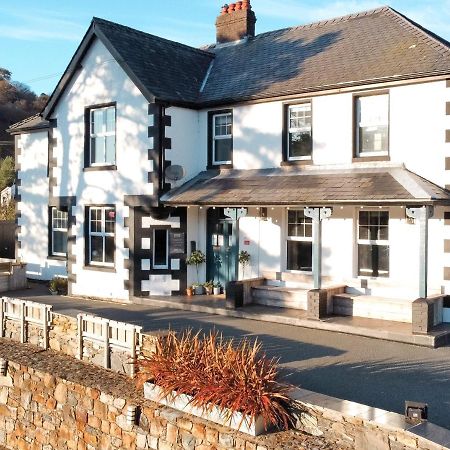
point(235, 22)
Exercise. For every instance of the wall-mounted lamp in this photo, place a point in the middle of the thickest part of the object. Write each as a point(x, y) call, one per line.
point(131, 414)
point(3, 367)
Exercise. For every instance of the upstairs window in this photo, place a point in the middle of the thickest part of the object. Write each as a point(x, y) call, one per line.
point(59, 225)
point(102, 143)
point(222, 138)
point(299, 145)
point(101, 235)
point(372, 127)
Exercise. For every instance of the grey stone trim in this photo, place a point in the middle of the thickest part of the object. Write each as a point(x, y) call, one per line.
point(446, 245)
point(17, 196)
point(447, 108)
point(52, 162)
point(448, 83)
point(447, 136)
point(447, 163)
point(446, 273)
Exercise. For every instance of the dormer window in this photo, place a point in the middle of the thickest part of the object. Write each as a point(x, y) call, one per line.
point(372, 125)
point(221, 138)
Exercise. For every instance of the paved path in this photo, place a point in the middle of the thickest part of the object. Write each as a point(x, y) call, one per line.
point(378, 373)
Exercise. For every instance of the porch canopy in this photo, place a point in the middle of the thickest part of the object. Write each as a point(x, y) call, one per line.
point(308, 186)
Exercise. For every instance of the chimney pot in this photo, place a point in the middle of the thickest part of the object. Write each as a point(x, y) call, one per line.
point(235, 22)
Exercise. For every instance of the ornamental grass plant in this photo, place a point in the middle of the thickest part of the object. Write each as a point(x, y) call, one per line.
point(217, 372)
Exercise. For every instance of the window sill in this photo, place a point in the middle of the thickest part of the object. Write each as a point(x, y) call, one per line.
point(220, 166)
point(100, 268)
point(96, 168)
point(299, 162)
point(371, 158)
point(57, 257)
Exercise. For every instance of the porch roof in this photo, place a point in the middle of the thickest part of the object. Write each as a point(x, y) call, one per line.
point(308, 186)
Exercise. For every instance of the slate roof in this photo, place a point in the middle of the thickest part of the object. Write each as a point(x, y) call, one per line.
point(357, 49)
point(169, 70)
point(392, 185)
point(31, 123)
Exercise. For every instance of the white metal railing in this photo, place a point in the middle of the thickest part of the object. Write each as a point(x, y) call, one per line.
point(25, 312)
point(110, 335)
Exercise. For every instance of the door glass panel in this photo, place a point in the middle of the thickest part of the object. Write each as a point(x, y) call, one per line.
point(299, 255)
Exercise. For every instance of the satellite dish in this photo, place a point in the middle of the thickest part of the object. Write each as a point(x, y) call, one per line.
point(175, 173)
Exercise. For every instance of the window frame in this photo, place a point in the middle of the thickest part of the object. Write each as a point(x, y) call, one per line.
point(88, 113)
point(308, 220)
point(212, 163)
point(160, 266)
point(289, 130)
point(374, 155)
point(103, 234)
point(53, 229)
point(371, 242)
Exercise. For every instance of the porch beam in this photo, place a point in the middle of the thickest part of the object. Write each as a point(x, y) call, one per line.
point(317, 215)
point(421, 216)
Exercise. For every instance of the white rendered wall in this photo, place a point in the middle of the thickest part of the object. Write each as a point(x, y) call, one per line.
point(101, 80)
point(34, 207)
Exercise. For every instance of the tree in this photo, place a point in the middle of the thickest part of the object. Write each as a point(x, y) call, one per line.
point(7, 172)
point(17, 102)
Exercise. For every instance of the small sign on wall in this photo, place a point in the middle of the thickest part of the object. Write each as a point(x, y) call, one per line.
point(176, 243)
point(247, 242)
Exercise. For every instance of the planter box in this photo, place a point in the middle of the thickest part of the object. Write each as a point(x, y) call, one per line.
point(182, 403)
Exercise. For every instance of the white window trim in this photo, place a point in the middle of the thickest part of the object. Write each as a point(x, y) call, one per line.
point(360, 154)
point(296, 239)
point(103, 234)
point(359, 241)
point(221, 137)
point(296, 130)
point(103, 133)
point(54, 209)
point(160, 266)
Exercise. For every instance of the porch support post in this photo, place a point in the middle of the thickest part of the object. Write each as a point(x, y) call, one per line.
point(317, 215)
point(421, 216)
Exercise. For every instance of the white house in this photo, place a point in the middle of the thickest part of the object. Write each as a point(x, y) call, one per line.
point(323, 150)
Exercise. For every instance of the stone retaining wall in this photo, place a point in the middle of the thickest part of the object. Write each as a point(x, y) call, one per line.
point(51, 401)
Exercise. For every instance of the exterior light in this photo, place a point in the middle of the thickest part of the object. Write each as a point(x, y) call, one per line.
point(131, 414)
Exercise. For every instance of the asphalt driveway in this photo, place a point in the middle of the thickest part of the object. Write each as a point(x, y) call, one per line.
point(378, 373)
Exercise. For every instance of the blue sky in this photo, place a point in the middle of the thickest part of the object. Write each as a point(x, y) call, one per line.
point(37, 39)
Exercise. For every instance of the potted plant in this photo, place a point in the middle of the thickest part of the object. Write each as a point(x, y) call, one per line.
point(209, 286)
point(230, 383)
point(244, 259)
point(189, 291)
point(58, 285)
point(197, 258)
point(217, 288)
point(198, 288)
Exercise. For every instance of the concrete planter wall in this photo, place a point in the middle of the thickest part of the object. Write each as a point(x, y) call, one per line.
point(183, 403)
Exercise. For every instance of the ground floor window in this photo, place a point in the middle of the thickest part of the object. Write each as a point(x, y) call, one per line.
point(299, 241)
point(58, 223)
point(160, 248)
point(373, 243)
point(101, 236)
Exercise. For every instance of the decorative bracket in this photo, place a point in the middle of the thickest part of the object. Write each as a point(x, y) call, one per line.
point(235, 213)
point(416, 213)
point(318, 213)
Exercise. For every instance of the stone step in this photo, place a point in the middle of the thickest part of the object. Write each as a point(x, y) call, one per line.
point(280, 297)
point(398, 310)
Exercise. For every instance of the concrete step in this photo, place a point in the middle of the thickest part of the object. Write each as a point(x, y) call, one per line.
point(281, 297)
point(372, 307)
